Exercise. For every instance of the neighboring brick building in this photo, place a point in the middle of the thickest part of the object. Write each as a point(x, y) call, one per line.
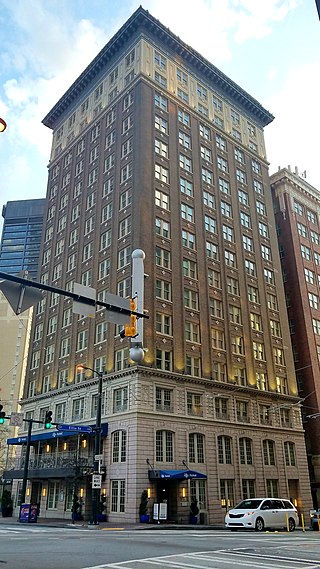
point(297, 213)
point(155, 148)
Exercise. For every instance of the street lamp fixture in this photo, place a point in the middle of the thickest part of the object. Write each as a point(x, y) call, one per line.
point(3, 125)
point(97, 441)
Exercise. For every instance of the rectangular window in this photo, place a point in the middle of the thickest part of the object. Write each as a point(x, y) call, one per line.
point(163, 290)
point(187, 212)
point(188, 239)
point(221, 143)
point(78, 409)
point(118, 496)
point(161, 101)
point(120, 400)
point(163, 258)
point(124, 257)
point(298, 208)
point(209, 200)
point(194, 404)
point(207, 176)
point(184, 139)
point(183, 117)
point(161, 199)
point(206, 153)
point(205, 132)
point(186, 187)
point(191, 299)
point(212, 251)
point(185, 163)
point(161, 124)
point(241, 176)
point(161, 173)
point(227, 233)
point(127, 123)
point(164, 360)
point(192, 331)
point(189, 268)
point(222, 164)
point(218, 339)
point(164, 323)
point(224, 186)
point(164, 400)
point(161, 148)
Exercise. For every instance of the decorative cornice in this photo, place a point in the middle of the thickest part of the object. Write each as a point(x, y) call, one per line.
point(142, 21)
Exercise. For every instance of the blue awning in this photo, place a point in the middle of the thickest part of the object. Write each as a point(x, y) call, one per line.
point(175, 474)
point(53, 435)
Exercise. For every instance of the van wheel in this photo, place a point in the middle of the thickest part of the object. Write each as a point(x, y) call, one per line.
point(292, 524)
point(259, 524)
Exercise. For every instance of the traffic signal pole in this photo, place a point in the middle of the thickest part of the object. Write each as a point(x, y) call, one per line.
point(26, 463)
point(97, 451)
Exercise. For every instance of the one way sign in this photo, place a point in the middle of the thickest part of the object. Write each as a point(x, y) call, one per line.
point(96, 480)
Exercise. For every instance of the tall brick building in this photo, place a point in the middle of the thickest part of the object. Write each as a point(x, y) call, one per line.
point(154, 148)
point(297, 206)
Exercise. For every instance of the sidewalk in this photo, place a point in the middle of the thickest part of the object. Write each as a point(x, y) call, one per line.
point(56, 522)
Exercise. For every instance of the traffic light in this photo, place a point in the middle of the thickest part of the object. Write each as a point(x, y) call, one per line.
point(130, 330)
point(48, 420)
point(2, 415)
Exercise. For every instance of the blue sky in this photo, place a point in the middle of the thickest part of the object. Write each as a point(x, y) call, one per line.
point(271, 48)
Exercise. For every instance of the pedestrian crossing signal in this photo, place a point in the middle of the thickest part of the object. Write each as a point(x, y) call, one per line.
point(130, 330)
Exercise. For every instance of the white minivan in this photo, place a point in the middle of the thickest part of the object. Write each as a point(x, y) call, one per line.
point(262, 513)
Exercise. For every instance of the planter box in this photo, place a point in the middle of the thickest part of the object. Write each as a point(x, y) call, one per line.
point(144, 518)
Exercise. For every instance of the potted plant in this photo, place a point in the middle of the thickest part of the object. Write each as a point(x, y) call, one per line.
point(194, 511)
point(102, 517)
point(143, 508)
point(6, 504)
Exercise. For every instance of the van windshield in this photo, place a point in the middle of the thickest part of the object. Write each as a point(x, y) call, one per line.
point(248, 505)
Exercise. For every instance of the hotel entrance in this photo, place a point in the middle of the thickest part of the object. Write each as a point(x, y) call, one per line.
point(171, 488)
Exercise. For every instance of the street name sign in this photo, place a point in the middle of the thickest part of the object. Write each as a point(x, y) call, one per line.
point(78, 428)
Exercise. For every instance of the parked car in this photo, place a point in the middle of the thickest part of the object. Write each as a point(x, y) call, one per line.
point(315, 520)
point(262, 513)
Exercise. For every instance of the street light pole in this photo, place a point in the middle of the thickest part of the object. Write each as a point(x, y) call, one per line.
point(97, 442)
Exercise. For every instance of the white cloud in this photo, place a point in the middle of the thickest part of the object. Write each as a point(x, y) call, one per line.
point(256, 19)
point(292, 139)
point(210, 26)
point(55, 51)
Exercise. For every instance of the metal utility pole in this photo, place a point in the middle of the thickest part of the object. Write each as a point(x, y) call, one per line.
point(97, 444)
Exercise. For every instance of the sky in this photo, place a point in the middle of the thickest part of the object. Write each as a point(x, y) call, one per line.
point(271, 48)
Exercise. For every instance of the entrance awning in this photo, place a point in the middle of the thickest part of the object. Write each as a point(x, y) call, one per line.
point(175, 474)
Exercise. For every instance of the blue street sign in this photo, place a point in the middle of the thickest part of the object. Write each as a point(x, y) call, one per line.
point(78, 428)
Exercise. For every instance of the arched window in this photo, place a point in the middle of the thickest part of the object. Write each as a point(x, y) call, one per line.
point(164, 446)
point(269, 454)
point(119, 446)
point(245, 450)
point(224, 450)
point(196, 447)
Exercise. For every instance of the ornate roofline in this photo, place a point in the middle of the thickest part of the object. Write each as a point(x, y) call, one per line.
point(141, 19)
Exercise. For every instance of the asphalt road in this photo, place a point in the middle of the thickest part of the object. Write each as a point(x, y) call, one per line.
point(25, 547)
